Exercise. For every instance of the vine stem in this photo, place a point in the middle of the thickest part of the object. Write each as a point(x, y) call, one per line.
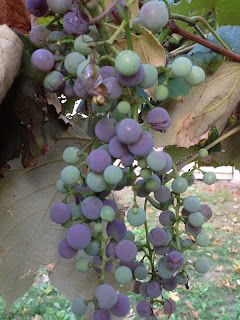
point(150, 256)
point(181, 50)
point(188, 35)
point(128, 30)
point(176, 227)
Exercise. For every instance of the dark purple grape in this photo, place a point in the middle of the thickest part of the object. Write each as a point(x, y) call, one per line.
point(117, 149)
point(122, 307)
point(170, 284)
point(106, 296)
point(159, 119)
point(157, 236)
point(39, 36)
point(117, 230)
point(113, 87)
point(143, 146)
point(128, 131)
point(143, 289)
point(206, 211)
point(130, 264)
point(136, 287)
point(131, 81)
point(105, 129)
point(75, 22)
point(43, 60)
point(114, 13)
point(141, 188)
point(60, 212)
point(79, 90)
point(143, 308)
point(111, 249)
point(65, 250)
point(91, 207)
point(185, 213)
point(169, 306)
point(37, 8)
point(127, 160)
point(162, 250)
point(153, 289)
point(175, 260)
point(167, 218)
point(78, 236)
point(108, 71)
point(126, 250)
point(163, 194)
point(101, 315)
point(98, 160)
point(191, 229)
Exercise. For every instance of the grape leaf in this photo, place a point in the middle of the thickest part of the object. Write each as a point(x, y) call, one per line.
point(177, 87)
point(180, 153)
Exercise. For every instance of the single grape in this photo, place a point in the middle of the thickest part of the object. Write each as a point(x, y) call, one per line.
point(150, 76)
point(153, 289)
point(108, 71)
point(113, 174)
point(179, 185)
point(145, 173)
point(37, 8)
point(54, 40)
point(123, 107)
point(163, 194)
point(170, 284)
point(59, 6)
point(65, 250)
point(181, 67)
point(123, 275)
point(71, 155)
point(202, 239)
point(113, 87)
point(69, 88)
point(106, 296)
point(160, 93)
point(136, 218)
point(72, 61)
point(196, 76)
point(101, 315)
point(209, 178)
point(117, 15)
point(156, 160)
point(117, 149)
point(162, 250)
point(157, 236)
point(60, 186)
point(191, 229)
point(79, 90)
point(169, 164)
point(126, 251)
point(70, 175)
point(167, 218)
point(154, 15)
point(191, 203)
point(128, 131)
point(119, 116)
point(181, 278)
point(189, 176)
point(82, 44)
point(39, 36)
point(96, 182)
point(79, 306)
point(127, 62)
point(196, 219)
point(117, 230)
point(127, 160)
point(78, 236)
point(43, 60)
point(91, 207)
point(105, 129)
point(143, 146)
point(131, 81)
point(163, 270)
point(83, 264)
point(159, 119)
point(93, 248)
point(175, 260)
point(203, 153)
point(122, 307)
point(107, 213)
point(206, 211)
point(53, 81)
point(60, 212)
point(153, 183)
point(111, 249)
point(143, 308)
point(98, 160)
point(169, 306)
point(98, 227)
point(201, 265)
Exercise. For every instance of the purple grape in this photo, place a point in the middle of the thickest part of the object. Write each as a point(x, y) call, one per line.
point(106, 296)
point(127, 160)
point(159, 119)
point(65, 250)
point(117, 230)
point(111, 249)
point(114, 13)
point(79, 90)
point(163, 194)
point(191, 229)
point(143, 146)
point(167, 218)
point(101, 315)
point(128, 131)
point(97, 262)
point(130, 264)
point(143, 308)
point(78, 236)
point(153, 289)
point(122, 307)
point(68, 89)
point(162, 250)
point(108, 71)
point(141, 190)
point(157, 236)
point(175, 260)
point(91, 207)
point(54, 40)
point(206, 211)
point(126, 250)
point(39, 36)
point(185, 213)
point(137, 286)
point(60, 212)
point(143, 289)
point(37, 8)
point(170, 284)
point(75, 22)
point(112, 203)
point(169, 163)
point(43, 60)
point(117, 149)
point(105, 129)
point(133, 80)
point(113, 87)
point(169, 306)
point(98, 160)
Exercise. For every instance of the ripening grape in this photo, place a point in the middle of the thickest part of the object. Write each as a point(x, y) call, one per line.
point(203, 153)
point(179, 185)
point(113, 87)
point(154, 15)
point(65, 250)
point(107, 213)
point(60, 186)
point(191, 203)
point(167, 218)
point(175, 260)
point(126, 251)
point(101, 314)
point(202, 239)
point(60, 212)
point(122, 307)
point(201, 265)
point(59, 6)
point(96, 182)
point(37, 8)
point(169, 306)
point(131, 81)
point(160, 93)
point(181, 278)
point(119, 116)
point(163, 270)
point(93, 248)
point(162, 250)
point(123, 275)
point(106, 296)
point(153, 289)
point(79, 306)
point(83, 264)
point(113, 174)
point(98, 160)
point(75, 210)
point(91, 207)
point(153, 183)
point(42, 60)
point(209, 178)
point(39, 36)
point(143, 308)
point(189, 176)
point(169, 163)
point(108, 71)
point(196, 76)
point(196, 219)
point(79, 90)
point(206, 211)
point(128, 131)
point(75, 22)
point(116, 230)
point(82, 44)
point(117, 149)
point(145, 173)
point(72, 61)
point(163, 194)
point(159, 119)
point(105, 129)
point(123, 107)
point(143, 146)
point(191, 229)
point(142, 288)
point(157, 236)
point(150, 76)
point(78, 236)
point(156, 160)
point(136, 217)
point(127, 160)
point(53, 81)
point(127, 62)
point(181, 67)
point(170, 284)
point(71, 155)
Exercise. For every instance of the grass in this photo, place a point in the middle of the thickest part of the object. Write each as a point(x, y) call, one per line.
point(213, 296)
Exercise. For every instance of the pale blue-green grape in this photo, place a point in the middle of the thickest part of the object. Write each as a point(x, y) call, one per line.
point(117, 115)
point(179, 185)
point(163, 270)
point(145, 173)
point(72, 61)
point(201, 265)
point(191, 203)
point(113, 175)
point(93, 248)
point(98, 227)
point(130, 236)
point(80, 68)
point(196, 219)
point(83, 264)
point(209, 178)
point(140, 272)
point(181, 278)
point(181, 67)
point(79, 306)
point(75, 210)
point(53, 81)
point(136, 218)
point(82, 44)
point(60, 186)
point(123, 275)
point(96, 182)
point(202, 239)
point(203, 153)
point(160, 93)
point(107, 213)
point(196, 76)
point(70, 175)
point(127, 62)
point(71, 155)
point(150, 76)
point(59, 6)
point(157, 160)
point(123, 107)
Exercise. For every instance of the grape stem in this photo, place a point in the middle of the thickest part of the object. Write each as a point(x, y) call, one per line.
point(103, 14)
point(178, 219)
point(148, 245)
point(188, 35)
point(104, 259)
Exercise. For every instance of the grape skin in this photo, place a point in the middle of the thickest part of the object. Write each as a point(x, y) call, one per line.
point(93, 248)
point(37, 8)
point(202, 239)
point(143, 308)
point(91, 207)
point(107, 213)
point(169, 306)
point(117, 149)
point(113, 87)
point(163, 194)
point(201, 265)
point(72, 61)
point(136, 219)
point(96, 182)
point(53, 81)
point(175, 260)
point(131, 81)
point(70, 175)
point(98, 160)
point(156, 160)
point(209, 178)
point(143, 146)
point(154, 15)
point(113, 175)
point(196, 219)
point(123, 275)
point(101, 315)
point(167, 218)
point(157, 236)
point(117, 230)
point(150, 76)
point(159, 119)
point(179, 185)
point(60, 186)
point(75, 22)
point(196, 76)
point(153, 289)
point(160, 93)
point(42, 60)
point(126, 250)
point(39, 36)
point(83, 264)
point(71, 155)
point(191, 203)
point(140, 272)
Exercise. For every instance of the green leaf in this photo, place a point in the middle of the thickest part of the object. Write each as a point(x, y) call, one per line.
point(177, 86)
point(180, 154)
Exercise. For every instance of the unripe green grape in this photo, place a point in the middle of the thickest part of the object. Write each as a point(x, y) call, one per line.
point(71, 155)
point(83, 264)
point(160, 93)
point(145, 173)
point(79, 306)
point(202, 239)
point(189, 176)
point(75, 210)
point(179, 185)
point(93, 248)
point(98, 227)
point(72, 61)
point(80, 67)
point(70, 175)
point(123, 107)
point(123, 275)
point(150, 76)
point(96, 182)
point(136, 219)
point(209, 178)
point(181, 67)
point(107, 213)
point(201, 265)
point(113, 175)
point(60, 187)
point(130, 236)
point(142, 163)
point(117, 115)
point(203, 153)
point(196, 219)
point(140, 273)
point(82, 44)
point(196, 76)
point(127, 62)
point(191, 203)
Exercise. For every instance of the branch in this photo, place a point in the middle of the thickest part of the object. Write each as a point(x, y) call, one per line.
point(104, 13)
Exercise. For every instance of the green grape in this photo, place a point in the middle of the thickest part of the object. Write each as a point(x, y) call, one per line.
point(80, 68)
point(181, 67)
point(196, 219)
point(150, 76)
point(70, 175)
point(142, 163)
point(189, 176)
point(107, 213)
point(60, 186)
point(123, 107)
point(140, 273)
point(79, 306)
point(53, 81)
point(82, 44)
point(136, 218)
point(71, 155)
point(203, 153)
point(130, 236)
point(160, 93)
point(196, 76)
point(191, 203)
point(93, 248)
point(201, 265)
point(209, 178)
point(83, 264)
point(75, 210)
point(123, 275)
point(145, 173)
point(113, 175)
point(127, 62)
point(179, 185)
point(72, 61)
point(117, 115)
point(202, 239)
point(96, 182)
point(98, 227)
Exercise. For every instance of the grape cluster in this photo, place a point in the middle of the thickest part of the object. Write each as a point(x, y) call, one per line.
point(71, 54)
